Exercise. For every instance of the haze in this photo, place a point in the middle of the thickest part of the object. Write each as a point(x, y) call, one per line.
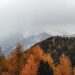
point(28, 17)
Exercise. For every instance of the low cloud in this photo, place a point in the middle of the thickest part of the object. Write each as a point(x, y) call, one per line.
point(30, 17)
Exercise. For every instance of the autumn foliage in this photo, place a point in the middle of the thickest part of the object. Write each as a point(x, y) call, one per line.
point(54, 56)
point(31, 67)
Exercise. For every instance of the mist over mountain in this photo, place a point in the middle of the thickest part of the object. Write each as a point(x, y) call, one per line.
point(30, 41)
point(41, 54)
point(10, 44)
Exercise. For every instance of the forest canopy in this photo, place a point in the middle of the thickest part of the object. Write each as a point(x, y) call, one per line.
point(53, 56)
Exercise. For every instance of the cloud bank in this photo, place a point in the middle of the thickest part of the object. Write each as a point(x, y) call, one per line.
point(30, 17)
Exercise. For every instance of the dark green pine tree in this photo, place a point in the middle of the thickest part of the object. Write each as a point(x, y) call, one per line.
point(45, 69)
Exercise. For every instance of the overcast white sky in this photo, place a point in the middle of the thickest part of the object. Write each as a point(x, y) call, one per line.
point(29, 17)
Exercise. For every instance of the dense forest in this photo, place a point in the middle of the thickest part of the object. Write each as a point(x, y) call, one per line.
point(53, 56)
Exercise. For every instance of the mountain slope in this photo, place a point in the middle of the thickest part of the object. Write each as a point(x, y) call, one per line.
point(32, 40)
point(26, 42)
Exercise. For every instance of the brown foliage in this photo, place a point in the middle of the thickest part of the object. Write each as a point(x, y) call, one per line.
point(36, 51)
point(21, 62)
point(65, 65)
point(74, 71)
point(2, 63)
point(31, 67)
point(16, 60)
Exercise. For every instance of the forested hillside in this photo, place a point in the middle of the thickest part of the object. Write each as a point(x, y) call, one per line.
point(53, 56)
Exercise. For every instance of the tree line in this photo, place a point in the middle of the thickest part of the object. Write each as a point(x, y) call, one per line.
point(53, 56)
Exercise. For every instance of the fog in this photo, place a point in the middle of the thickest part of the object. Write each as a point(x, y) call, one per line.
point(28, 17)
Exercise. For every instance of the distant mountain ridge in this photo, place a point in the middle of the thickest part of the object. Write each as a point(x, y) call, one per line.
point(30, 41)
point(26, 42)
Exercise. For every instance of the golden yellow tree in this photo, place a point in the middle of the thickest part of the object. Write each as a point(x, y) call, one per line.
point(65, 65)
point(74, 71)
point(16, 60)
point(31, 67)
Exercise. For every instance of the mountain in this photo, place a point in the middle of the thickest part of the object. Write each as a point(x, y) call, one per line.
point(32, 40)
point(72, 35)
point(53, 55)
point(10, 44)
point(65, 34)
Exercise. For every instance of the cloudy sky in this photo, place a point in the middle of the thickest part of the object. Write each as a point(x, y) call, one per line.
point(29, 17)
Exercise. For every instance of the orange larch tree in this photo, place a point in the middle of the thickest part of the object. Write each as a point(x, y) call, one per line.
point(65, 65)
point(74, 71)
point(31, 67)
